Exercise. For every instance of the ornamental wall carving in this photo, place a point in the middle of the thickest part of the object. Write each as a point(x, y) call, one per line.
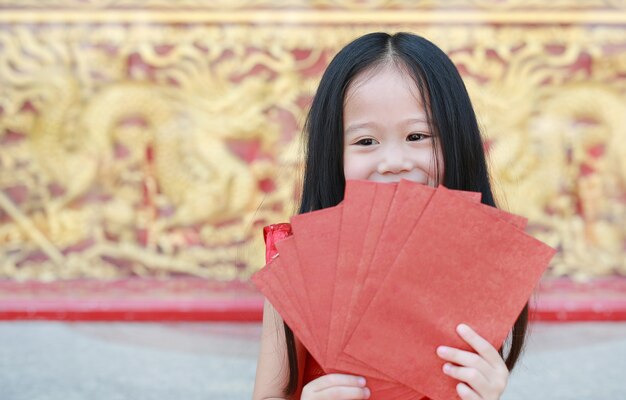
point(156, 138)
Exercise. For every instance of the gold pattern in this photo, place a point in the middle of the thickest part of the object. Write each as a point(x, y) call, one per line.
point(133, 144)
point(318, 4)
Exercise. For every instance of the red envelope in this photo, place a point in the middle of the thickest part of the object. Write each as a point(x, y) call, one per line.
point(326, 281)
point(410, 198)
point(459, 264)
point(274, 292)
point(268, 281)
point(289, 259)
point(515, 220)
point(358, 200)
point(408, 202)
point(404, 211)
point(378, 213)
point(317, 236)
point(382, 200)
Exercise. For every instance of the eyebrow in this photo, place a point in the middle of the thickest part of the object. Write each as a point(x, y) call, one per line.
point(371, 124)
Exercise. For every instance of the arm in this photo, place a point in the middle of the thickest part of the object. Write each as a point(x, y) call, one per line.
point(273, 364)
point(273, 368)
point(272, 372)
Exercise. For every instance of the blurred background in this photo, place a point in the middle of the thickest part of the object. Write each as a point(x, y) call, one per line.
point(144, 145)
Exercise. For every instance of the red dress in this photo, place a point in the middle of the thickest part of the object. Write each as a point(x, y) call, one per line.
point(272, 234)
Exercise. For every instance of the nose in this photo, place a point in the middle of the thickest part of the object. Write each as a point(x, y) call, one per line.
point(394, 162)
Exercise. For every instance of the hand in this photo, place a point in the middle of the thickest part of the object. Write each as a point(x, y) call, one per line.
point(336, 387)
point(483, 374)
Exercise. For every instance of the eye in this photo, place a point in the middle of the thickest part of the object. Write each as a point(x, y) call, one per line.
point(416, 137)
point(366, 142)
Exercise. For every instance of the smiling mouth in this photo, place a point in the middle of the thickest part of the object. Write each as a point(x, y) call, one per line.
point(397, 178)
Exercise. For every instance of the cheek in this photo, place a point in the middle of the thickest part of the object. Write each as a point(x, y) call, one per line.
point(349, 170)
point(355, 167)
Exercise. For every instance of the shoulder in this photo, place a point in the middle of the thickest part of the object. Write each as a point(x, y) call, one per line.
point(272, 234)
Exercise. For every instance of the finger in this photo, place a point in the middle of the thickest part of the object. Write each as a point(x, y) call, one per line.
point(478, 343)
point(474, 378)
point(344, 392)
point(466, 393)
point(463, 358)
point(331, 380)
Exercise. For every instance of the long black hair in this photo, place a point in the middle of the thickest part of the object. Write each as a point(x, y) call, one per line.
point(451, 119)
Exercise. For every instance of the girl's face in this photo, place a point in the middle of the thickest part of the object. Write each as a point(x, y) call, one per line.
point(386, 133)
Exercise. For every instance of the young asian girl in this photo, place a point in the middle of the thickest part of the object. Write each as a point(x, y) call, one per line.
point(388, 107)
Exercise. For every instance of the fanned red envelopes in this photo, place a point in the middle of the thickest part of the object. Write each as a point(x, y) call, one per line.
point(372, 286)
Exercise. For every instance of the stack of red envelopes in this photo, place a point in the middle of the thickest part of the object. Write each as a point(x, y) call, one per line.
point(373, 286)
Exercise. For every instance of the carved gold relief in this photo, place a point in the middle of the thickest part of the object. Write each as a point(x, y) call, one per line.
point(155, 149)
point(323, 4)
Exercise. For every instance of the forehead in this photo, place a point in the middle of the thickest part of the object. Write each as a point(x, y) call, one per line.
point(383, 92)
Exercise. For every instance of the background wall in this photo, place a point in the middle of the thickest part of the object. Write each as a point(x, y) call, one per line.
point(154, 139)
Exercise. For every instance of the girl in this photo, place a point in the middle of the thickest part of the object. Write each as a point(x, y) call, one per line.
point(387, 108)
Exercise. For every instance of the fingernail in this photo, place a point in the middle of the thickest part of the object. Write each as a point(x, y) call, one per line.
point(362, 381)
point(367, 393)
point(462, 328)
point(446, 368)
point(442, 350)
